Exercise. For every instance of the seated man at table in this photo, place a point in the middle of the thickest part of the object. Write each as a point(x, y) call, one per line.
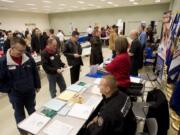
point(114, 116)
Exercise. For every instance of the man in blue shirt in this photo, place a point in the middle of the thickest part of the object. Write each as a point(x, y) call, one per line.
point(143, 36)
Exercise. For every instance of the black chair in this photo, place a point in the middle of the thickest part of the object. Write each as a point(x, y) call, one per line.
point(135, 90)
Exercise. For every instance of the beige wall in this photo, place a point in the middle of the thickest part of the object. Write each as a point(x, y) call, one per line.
point(12, 20)
point(131, 15)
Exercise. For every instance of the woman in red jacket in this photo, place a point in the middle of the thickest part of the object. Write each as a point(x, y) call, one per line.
point(120, 65)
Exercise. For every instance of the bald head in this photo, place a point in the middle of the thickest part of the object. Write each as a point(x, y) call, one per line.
point(134, 34)
point(108, 85)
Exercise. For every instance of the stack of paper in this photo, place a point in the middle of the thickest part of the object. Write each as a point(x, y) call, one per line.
point(82, 84)
point(81, 111)
point(65, 109)
point(48, 112)
point(34, 123)
point(95, 90)
point(135, 79)
point(97, 81)
point(55, 104)
point(93, 69)
point(58, 128)
point(67, 95)
point(93, 101)
point(75, 87)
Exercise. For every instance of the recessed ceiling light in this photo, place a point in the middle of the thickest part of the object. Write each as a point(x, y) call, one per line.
point(8, 1)
point(90, 5)
point(62, 4)
point(131, 0)
point(81, 2)
point(30, 4)
point(157, 1)
point(46, 1)
point(116, 5)
point(135, 3)
point(109, 2)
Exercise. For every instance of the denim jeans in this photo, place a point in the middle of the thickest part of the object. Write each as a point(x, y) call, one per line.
point(53, 79)
point(19, 104)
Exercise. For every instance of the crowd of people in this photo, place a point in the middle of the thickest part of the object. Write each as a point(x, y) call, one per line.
point(35, 39)
point(20, 78)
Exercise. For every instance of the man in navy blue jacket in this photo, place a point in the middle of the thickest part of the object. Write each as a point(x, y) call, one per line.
point(20, 79)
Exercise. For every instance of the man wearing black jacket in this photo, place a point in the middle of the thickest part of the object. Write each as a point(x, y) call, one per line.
point(20, 79)
point(114, 115)
point(53, 66)
point(136, 53)
point(73, 51)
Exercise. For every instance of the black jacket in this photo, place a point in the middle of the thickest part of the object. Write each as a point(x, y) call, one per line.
point(137, 58)
point(51, 62)
point(44, 39)
point(112, 116)
point(96, 56)
point(159, 109)
point(69, 50)
point(17, 79)
point(7, 45)
point(36, 43)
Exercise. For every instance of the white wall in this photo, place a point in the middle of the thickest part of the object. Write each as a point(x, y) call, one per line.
point(131, 15)
point(11, 20)
point(175, 6)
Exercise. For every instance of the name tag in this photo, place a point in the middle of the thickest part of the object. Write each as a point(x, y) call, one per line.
point(52, 58)
point(12, 67)
point(28, 66)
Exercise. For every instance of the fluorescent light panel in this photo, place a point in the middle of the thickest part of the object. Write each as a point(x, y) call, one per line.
point(135, 3)
point(30, 4)
point(8, 1)
point(157, 1)
point(110, 2)
point(81, 2)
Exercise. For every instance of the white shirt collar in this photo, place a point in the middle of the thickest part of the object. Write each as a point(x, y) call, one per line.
point(10, 61)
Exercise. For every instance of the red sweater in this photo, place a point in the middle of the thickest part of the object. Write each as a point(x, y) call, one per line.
point(120, 68)
point(18, 60)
